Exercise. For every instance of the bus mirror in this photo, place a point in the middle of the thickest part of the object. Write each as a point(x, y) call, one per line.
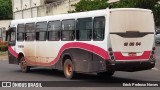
point(157, 33)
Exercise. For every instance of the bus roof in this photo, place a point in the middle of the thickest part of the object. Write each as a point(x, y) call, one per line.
point(93, 13)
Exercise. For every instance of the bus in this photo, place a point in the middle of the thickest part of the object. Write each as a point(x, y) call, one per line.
point(98, 41)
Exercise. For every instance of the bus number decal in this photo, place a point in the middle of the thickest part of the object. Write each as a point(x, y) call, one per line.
point(132, 44)
point(20, 46)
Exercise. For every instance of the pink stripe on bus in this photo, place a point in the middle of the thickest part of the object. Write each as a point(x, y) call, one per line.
point(91, 48)
point(94, 49)
point(144, 56)
point(15, 54)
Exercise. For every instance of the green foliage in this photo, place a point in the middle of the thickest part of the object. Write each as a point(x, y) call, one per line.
point(86, 5)
point(5, 9)
point(3, 46)
point(147, 4)
point(156, 11)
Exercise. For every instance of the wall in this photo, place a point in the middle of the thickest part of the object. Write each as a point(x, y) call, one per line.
point(37, 8)
point(3, 27)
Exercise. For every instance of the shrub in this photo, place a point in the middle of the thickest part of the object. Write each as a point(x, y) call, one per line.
point(3, 46)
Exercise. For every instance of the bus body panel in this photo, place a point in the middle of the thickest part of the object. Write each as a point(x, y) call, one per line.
point(92, 56)
point(132, 33)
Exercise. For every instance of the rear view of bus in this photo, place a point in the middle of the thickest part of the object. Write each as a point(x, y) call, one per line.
point(131, 37)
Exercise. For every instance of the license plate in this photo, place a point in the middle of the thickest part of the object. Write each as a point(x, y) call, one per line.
point(132, 54)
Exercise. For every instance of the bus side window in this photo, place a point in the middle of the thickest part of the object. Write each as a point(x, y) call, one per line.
point(20, 32)
point(84, 29)
point(68, 30)
point(99, 28)
point(41, 31)
point(30, 32)
point(54, 28)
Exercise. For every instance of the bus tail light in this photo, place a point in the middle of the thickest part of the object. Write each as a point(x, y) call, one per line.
point(152, 56)
point(153, 52)
point(154, 48)
point(109, 49)
point(112, 57)
point(111, 54)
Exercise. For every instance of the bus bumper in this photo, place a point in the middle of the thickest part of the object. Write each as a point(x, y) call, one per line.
point(12, 59)
point(130, 66)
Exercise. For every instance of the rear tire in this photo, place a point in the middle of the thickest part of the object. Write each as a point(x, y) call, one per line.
point(68, 69)
point(23, 65)
point(106, 74)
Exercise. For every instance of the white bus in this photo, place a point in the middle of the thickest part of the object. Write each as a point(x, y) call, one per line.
point(100, 41)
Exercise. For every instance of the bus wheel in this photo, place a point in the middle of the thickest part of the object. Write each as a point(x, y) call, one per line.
point(68, 69)
point(106, 74)
point(23, 65)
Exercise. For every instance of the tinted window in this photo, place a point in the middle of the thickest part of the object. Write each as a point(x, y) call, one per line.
point(30, 32)
point(41, 31)
point(21, 28)
point(30, 27)
point(54, 25)
point(41, 26)
point(54, 28)
point(20, 32)
point(20, 36)
point(84, 29)
point(68, 30)
point(11, 36)
point(99, 28)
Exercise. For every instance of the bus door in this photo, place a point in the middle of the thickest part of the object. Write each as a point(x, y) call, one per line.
point(11, 38)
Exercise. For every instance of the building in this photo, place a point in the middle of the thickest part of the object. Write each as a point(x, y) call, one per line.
point(37, 8)
point(3, 27)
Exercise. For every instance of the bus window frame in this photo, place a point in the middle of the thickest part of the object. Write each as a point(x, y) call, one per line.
point(46, 35)
point(30, 32)
point(78, 27)
point(69, 30)
point(21, 33)
point(54, 30)
point(93, 37)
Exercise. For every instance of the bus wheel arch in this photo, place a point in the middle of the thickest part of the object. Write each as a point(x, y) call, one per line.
point(68, 67)
point(65, 57)
point(20, 55)
point(23, 64)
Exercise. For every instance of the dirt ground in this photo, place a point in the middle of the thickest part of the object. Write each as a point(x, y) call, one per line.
point(3, 56)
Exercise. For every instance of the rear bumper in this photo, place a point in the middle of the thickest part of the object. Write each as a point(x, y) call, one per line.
point(130, 66)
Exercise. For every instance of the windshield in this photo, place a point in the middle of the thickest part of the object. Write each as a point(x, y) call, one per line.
point(11, 36)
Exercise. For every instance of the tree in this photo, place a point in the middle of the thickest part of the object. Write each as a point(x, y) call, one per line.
point(5, 9)
point(146, 4)
point(86, 5)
